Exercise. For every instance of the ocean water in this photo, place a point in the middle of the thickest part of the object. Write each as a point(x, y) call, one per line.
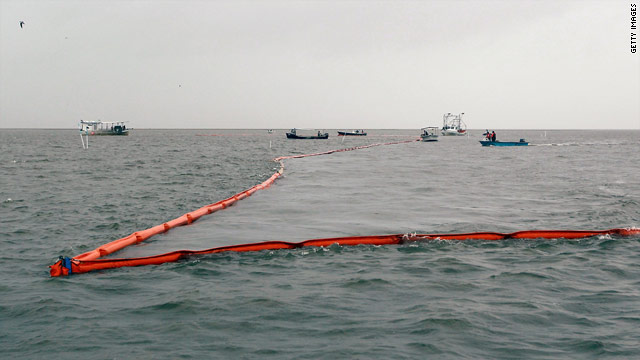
point(513, 299)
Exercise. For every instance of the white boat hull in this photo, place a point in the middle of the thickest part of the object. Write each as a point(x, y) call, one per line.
point(452, 132)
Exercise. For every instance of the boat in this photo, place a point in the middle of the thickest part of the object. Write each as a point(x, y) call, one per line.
point(103, 127)
point(522, 142)
point(352, 133)
point(293, 134)
point(452, 125)
point(429, 134)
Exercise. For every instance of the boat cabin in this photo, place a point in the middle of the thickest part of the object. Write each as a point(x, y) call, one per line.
point(103, 127)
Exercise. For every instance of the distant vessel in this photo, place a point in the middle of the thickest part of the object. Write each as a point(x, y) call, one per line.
point(103, 128)
point(522, 142)
point(352, 133)
point(429, 134)
point(452, 125)
point(293, 134)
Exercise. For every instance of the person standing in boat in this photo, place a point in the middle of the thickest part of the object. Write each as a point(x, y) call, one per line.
point(493, 136)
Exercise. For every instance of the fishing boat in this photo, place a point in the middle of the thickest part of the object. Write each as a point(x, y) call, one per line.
point(429, 134)
point(293, 134)
point(522, 142)
point(452, 125)
point(103, 128)
point(352, 133)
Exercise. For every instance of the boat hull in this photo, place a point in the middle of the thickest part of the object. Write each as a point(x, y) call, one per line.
point(429, 138)
point(453, 132)
point(503, 143)
point(295, 136)
point(345, 133)
point(109, 133)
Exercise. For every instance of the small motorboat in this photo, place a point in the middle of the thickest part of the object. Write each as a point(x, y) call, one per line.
point(293, 134)
point(352, 133)
point(522, 142)
point(429, 134)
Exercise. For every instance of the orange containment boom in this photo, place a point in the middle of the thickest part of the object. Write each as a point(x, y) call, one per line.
point(67, 266)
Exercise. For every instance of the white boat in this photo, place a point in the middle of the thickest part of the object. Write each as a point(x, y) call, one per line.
point(429, 134)
point(103, 128)
point(452, 125)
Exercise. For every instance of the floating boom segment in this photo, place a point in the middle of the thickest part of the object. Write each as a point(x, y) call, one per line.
point(66, 266)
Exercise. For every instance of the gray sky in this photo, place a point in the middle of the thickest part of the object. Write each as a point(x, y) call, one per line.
point(318, 64)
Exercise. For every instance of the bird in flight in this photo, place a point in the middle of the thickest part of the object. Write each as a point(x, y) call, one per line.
point(21, 23)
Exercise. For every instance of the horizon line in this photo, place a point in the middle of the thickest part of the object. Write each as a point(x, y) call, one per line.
point(480, 129)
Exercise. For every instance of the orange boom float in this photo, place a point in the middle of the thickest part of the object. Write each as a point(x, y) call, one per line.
point(80, 264)
point(91, 260)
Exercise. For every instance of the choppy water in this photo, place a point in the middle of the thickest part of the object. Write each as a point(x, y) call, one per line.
point(513, 299)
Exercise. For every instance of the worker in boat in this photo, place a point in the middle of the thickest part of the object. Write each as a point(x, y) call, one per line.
point(493, 136)
point(319, 133)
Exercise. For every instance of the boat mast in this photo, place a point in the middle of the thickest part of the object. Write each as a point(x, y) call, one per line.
point(84, 146)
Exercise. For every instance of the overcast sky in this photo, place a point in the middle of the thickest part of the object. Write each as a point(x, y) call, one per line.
point(318, 64)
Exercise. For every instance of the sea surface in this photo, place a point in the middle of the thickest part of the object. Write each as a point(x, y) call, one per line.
point(512, 299)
